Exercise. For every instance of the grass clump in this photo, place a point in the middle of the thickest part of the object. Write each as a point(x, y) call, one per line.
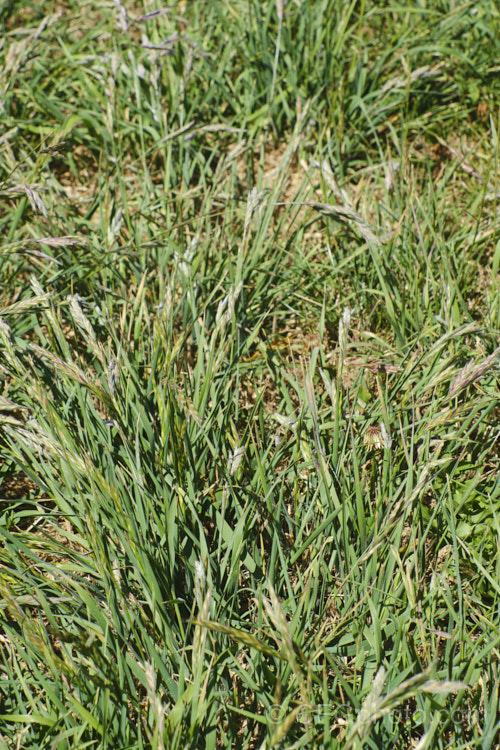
point(249, 375)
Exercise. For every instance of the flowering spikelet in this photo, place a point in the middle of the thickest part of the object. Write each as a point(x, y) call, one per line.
point(344, 325)
point(235, 459)
point(113, 373)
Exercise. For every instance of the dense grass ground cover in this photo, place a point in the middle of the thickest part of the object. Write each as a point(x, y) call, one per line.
point(249, 404)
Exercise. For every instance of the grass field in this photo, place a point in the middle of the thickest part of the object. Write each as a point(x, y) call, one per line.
point(249, 348)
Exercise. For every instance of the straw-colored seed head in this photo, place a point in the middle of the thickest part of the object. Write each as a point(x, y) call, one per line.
point(373, 438)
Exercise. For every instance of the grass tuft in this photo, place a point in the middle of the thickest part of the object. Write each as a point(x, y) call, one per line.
point(249, 322)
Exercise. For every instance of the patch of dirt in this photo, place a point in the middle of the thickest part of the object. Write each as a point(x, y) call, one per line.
point(17, 486)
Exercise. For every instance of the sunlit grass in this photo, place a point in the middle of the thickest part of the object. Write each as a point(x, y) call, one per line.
point(249, 322)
